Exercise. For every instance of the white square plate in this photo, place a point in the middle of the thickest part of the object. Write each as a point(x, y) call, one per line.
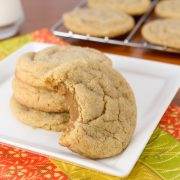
point(154, 85)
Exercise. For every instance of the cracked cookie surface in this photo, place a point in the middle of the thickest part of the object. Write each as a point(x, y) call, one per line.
point(168, 9)
point(132, 7)
point(38, 98)
point(164, 32)
point(39, 119)
point(33, 65)
point(102, 107)
point(98, 23)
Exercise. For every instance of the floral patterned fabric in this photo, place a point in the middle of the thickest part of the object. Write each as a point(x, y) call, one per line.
point(20, 164)
point(171, 121)
point(159, 160)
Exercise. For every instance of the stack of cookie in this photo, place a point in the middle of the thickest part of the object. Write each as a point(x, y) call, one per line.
point(105, 18)
point(32, 103)
point(164, 31)
point(82, 81)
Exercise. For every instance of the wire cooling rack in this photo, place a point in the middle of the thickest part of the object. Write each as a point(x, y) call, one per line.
point(58, 29)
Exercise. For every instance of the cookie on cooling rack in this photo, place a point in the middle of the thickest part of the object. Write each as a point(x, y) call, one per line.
point(165, 32)
point(100, 23)
point(168, 9)
point(132, 7)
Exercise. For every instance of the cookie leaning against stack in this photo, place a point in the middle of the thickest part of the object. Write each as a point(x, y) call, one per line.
point(101, 105)
point(98, 23)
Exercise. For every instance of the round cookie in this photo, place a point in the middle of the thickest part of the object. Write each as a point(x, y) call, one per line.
point(132, 7)
point(168, 9)
point(100, 23)
point(31, 66)
point(164, 32)
point(102, 107)
point(39, 119)
point(38, 98)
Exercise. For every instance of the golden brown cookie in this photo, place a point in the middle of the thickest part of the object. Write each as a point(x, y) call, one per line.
point(168, 9)
point(38, 98)
point(102, 107)
point(164, 32)
point(132, 7)
point(39, 119)
point(100, 23)
point(33, 65)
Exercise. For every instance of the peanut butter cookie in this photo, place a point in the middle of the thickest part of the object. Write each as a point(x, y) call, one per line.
point(168, 9)
point(38, 98)
point(164, 32)
point(39, 119)
point(31, 66)
point(101, 103)
point(132, 7)
point(98, 23)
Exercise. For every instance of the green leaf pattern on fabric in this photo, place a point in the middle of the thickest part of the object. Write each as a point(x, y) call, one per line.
point(139, 172)
point(10, 45)
point(162, 154)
